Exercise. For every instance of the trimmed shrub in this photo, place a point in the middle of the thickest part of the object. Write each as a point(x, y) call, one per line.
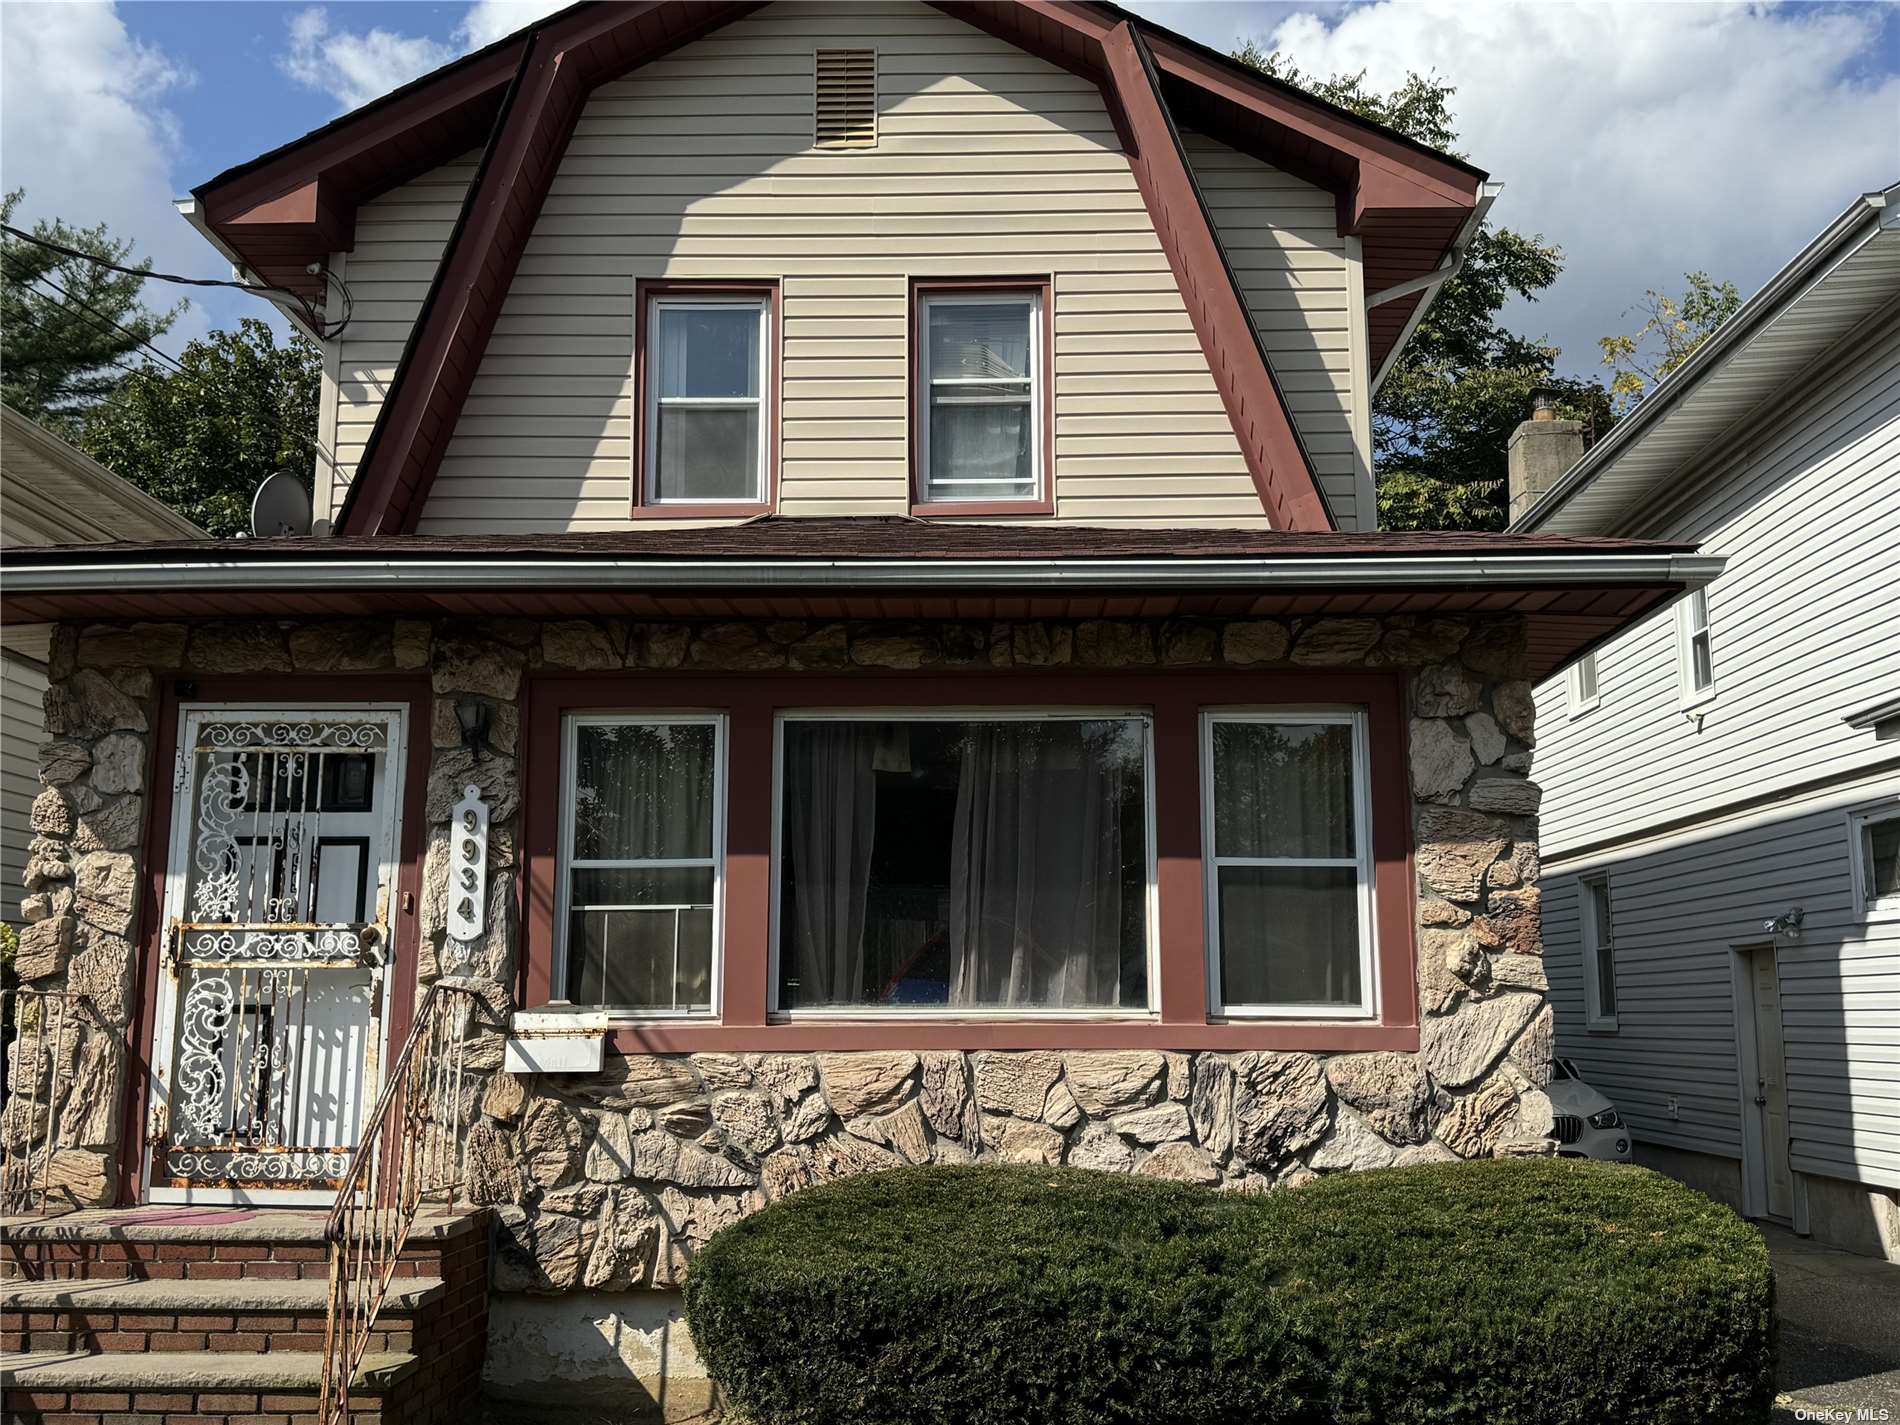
point(1555, 1291)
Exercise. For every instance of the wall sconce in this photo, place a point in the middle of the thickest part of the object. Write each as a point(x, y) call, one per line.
point(472, 713)
point(1786, 924)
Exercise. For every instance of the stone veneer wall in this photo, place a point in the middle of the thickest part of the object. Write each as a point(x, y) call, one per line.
point(608, 1181)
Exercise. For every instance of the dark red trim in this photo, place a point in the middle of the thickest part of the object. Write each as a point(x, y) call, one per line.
point(1176, 699)
point(149, 930)
point(915, 397)
point(644, 290)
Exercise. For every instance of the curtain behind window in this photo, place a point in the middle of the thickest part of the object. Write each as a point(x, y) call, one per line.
point(830, 826)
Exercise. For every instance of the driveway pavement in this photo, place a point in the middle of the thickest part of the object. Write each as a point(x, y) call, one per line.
point(1840, 1331)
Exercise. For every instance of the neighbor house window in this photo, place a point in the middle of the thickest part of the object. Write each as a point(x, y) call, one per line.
point(642, 845)
point(1697, 652)
point(1599, 953)
point(981, 385)
point(1289, 865)
point(976, 863)
point(1583, 684)
point(706, 435)
point(1875, 834)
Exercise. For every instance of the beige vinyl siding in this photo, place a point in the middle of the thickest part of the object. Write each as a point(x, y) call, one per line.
point(22, 730)
point(1301, 283)
point(399, 240)
point(989, 162)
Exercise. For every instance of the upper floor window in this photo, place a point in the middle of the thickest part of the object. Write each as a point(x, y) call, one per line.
point(1583, 684)
point(1289, 868)
point(1599, 953)
point(1875, 834)
point(1696, 653)
point(982, 398)
point(642, 846)
point(706, 435)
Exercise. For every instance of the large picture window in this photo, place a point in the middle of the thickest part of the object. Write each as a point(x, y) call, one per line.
point(981, 397)
point(642, 844)
point(1288, 863)
point(979, 863)
point(706, 435)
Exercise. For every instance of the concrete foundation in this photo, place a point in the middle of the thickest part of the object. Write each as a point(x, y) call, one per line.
point(1854, 1217)
point(1713, 1176)
point(593, 1358)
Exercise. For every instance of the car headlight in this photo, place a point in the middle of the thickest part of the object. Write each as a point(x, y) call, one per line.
point(1605, 1119)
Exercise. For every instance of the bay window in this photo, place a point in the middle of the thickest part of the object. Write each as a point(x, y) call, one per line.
point(706, 377)
point(981, 409)
point(643, 836)
point(1288, 863)
point(984, 862)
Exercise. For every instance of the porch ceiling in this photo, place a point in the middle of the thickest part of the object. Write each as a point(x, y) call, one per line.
point(1574, 593)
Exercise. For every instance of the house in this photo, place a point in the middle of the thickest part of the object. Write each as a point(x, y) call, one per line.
point(848, 628)
point(50, 493)
point(1721, 814)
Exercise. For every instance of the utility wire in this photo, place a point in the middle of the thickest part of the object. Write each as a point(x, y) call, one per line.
point(100, 316)
point(256, 288)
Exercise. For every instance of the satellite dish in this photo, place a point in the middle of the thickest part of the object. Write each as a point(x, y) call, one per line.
point(280, 506)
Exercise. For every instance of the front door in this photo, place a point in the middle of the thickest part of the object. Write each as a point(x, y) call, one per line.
point(1771, 1082)
point(273, 1002)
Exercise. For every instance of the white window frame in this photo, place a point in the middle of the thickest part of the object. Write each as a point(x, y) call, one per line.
point(760, 303)
point(1152, 909)
point(1595, 948)
point(1860, 824)
point(1361, 860)
point(1694, 621)
point(1584, 693)
point(566, 865)
point(932, 492)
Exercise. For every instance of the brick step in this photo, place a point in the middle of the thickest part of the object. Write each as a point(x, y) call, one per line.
point(165, 1314)
point(275, 1244)
point(282, 1388)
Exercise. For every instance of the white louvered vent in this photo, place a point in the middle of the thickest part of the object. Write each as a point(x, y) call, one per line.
point(846, 110)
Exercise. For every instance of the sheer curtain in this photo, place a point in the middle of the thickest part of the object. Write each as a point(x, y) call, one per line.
point(643, 791)
point(830, 827)
point(1036, 897)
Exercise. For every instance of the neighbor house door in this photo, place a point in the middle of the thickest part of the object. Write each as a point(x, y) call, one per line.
point(272, 1011)
point(1770, 1091)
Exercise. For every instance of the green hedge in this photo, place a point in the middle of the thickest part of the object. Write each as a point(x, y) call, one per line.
point(1554, 1291)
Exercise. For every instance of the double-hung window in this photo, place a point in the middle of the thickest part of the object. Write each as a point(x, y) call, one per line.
point(643, 837)
point(707, 431)
point(1696, 651)
point(979, 863)
point(1599, 952)
point(1583, 685)
point(1875, 833)
point(981, 396)
point(1287, 848)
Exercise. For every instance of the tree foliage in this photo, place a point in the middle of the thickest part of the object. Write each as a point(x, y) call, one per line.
point(1672, 329)
point(203, 437)
point(69, 329)
point(1443, 419)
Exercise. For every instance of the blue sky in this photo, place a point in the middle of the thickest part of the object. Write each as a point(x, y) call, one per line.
point(1648, 139)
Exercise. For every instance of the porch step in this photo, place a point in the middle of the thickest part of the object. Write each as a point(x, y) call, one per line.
point(208, 1297)
point(194, 1371)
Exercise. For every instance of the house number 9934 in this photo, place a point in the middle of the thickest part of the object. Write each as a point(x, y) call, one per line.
point(468, 865)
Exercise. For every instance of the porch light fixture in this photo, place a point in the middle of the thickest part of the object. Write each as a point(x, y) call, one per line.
point(472, 713)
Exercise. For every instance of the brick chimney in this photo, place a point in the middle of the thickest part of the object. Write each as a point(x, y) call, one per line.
point(1541, 450)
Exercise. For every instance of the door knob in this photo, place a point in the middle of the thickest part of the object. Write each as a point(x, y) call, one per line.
point(1762, 1099)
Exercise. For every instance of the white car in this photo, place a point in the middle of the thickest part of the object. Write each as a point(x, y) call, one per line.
point(1587, 1123)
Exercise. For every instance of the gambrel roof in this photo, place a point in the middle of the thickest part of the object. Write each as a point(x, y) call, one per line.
point(520, 98)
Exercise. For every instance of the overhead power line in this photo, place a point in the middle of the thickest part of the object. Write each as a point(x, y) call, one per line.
point(101, 317)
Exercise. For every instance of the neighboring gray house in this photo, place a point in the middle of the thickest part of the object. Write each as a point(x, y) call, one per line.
point(1721, 814)
point(50, 493)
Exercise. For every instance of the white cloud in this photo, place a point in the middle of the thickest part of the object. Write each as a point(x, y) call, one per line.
point(356, 66)
point(87, 133)
point(488, 20)
point(1647, 139)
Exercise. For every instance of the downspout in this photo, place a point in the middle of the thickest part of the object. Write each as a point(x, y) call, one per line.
point(1431, 282)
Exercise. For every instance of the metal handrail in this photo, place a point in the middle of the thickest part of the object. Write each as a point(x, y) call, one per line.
point(409, 1151)
point(37, 1068)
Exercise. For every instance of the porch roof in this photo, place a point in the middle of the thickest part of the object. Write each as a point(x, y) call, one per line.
point(1575, 592)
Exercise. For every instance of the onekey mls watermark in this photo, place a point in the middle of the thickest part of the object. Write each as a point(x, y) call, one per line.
point(1843, 1414)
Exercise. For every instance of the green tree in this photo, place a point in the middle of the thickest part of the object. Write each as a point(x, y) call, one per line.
point(1673, 327)
point(201, 438)
point(1443, 419)
point(68, 328)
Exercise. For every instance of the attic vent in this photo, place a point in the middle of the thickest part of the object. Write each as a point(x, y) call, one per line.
point(847, 98)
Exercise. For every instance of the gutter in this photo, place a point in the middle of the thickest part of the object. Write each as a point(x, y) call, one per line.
point(1431, 282)
point(1810, 267)
point(571, 572)
point(193, 212)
